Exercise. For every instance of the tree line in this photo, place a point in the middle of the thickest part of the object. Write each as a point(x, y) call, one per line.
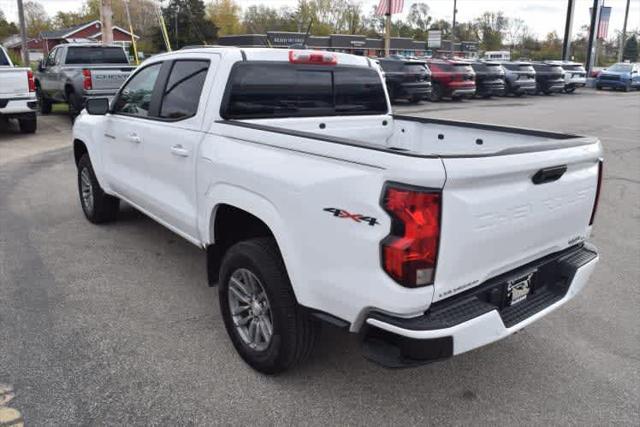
point(196, 22)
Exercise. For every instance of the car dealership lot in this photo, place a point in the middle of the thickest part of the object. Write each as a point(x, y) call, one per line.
point(116, 324)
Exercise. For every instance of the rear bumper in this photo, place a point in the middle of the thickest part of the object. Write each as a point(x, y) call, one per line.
point(11, 107)
point(554, 86)
point(522, 87)
point(490, 88)
point(477, 317)
point(409, 90)
point(469, 92)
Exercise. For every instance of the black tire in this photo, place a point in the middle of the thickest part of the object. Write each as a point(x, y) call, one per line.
point(294, 330)
point(104, 207)
point(415, 99)
point(598, 87)
point(43, 102)
point(76, 104)
point(28, 124)
point(436, 93)
point(569, 89)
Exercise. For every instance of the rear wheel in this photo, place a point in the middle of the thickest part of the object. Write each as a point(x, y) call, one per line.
point(436, 93)
point(415, 99)
point(28, 124)
point(43, 102)
point(627, 87)
point(598, 87)
point(75, 105)
point(98, 206)
point(569, 89)
point(267, 327)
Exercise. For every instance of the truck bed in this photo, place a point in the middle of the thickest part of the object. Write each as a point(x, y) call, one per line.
point(422, 137)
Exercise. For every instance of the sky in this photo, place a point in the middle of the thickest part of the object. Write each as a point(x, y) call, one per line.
point(542, 16)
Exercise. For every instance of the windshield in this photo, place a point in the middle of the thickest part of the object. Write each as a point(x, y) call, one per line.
point(96, 55)
point(269, 90)
point(4, 61)
point(620, 68)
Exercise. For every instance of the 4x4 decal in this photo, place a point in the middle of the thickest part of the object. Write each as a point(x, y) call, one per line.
point(341, 213)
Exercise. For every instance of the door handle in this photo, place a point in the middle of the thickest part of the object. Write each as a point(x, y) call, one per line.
point(549, 174)
point(134, 138)
point(180, 151)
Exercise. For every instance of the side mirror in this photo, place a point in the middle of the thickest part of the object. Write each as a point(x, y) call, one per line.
point(41, 65)
point(97, 106)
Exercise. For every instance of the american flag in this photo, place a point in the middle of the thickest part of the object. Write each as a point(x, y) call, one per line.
point(389, 7)
point(603, 28)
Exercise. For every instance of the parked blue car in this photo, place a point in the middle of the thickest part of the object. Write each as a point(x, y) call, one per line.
point(622, 75)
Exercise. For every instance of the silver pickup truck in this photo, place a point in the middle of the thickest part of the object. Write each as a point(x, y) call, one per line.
point(75, 72)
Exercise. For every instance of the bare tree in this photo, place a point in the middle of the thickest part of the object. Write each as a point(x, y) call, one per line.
point(516, 27)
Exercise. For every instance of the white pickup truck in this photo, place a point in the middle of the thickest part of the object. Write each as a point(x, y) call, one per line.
point(17, 94)
point(315, 203)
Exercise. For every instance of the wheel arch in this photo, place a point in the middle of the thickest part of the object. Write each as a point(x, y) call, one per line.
point(79, 149)
point(238, 214)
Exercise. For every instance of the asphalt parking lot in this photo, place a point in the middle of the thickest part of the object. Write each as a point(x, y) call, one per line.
point(115, 324)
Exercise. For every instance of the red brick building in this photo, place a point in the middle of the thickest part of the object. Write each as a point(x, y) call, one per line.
point(90, 31)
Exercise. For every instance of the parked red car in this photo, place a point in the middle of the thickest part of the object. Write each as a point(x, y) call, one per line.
point(451, 78)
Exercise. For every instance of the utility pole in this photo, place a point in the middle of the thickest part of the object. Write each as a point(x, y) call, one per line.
point(566, 46)
point(106, 17)
point(624, 32)
point(23, 35)
point(453, 24)
point(387, 35)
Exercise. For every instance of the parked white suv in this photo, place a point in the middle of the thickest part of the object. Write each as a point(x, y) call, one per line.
point(315, 203)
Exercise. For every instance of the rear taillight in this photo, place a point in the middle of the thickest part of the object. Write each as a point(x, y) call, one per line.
point(32, 83)
point(598, 187)
point(312, 57)
point(86, 79)
point(410, 251)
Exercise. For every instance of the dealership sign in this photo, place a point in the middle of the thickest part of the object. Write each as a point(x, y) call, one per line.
point(434, 39)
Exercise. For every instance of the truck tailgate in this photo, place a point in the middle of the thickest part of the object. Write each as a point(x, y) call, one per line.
point(109, 77)
point(13, 82)
point(495, 218)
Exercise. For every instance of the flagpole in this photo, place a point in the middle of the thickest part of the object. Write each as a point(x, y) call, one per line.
point(387, 35)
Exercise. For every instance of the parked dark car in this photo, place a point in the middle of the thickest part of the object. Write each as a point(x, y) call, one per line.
point(451, 78)
point(406, 79)
point(489, 78)
point(520, 78)
point(622, 75)
point(549, 78)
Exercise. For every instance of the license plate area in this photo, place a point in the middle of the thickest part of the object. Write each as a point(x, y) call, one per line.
point(519, 289)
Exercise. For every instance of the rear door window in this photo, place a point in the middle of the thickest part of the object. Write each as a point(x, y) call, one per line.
point(181, 95)
point(266, 90)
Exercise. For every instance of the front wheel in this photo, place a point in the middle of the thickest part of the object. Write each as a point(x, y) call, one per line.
point(267, 327)
point(98, 206)
point(415, 99)
point(569, 89)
